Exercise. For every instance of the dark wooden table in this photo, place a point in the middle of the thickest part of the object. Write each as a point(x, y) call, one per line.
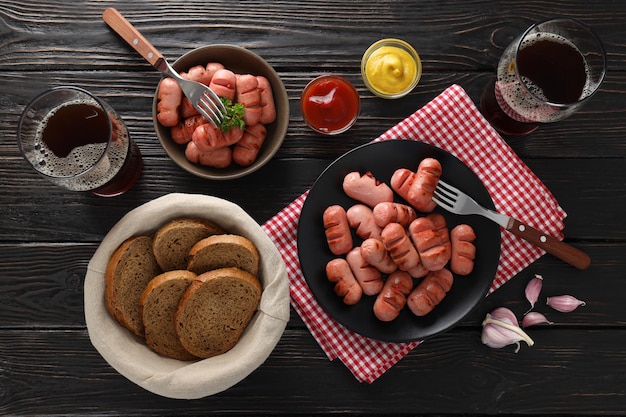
point(47, 235)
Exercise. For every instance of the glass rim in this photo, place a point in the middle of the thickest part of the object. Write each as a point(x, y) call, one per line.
point(45, 93)
point(581, 25)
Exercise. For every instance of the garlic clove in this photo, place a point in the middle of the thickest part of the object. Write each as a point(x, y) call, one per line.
point(500, 329)
point(504, 314)
point(534, 318)
point(533, 288)
point(564, 303)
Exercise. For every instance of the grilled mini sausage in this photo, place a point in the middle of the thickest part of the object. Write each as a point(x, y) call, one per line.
point(366, 188)
point(420, 194)
point(392, 297)
point(216, 158)
point(223, 83)
point(463, 249)
point(169, 98)
point(268, 113)
point(346, 286)
point(430, 292)
point(370, 279)
point(247, 148)
point(399, 246)
point(249, 95)
point(390, 212)
point(374, 252)
point(337, 230)
point(183, 132)
point(361, 218)
point(208, 137)
point(401, 182)
point(432, 245)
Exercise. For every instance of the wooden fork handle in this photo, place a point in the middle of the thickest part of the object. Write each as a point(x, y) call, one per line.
point(553, 246)
point(127, 31)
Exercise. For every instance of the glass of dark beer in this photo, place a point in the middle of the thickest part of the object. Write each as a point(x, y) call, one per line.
point(79, 142)
point(544, 76)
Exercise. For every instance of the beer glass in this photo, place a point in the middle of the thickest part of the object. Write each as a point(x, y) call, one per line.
point(544, 76)
point(78, 142)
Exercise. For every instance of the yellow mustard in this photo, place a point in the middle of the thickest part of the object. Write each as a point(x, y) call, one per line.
point(390, 70)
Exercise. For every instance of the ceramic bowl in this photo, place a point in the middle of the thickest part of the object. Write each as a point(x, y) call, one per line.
point(240, 61)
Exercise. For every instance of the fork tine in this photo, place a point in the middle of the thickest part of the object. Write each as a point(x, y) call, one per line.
point(214, 98)
point(207, 114)
point(448, 189)
point(445, 195)
point(209, 107)
point(443, 200)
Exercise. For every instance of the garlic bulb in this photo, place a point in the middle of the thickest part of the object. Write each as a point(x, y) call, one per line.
point(500, 329)
point(564, 303)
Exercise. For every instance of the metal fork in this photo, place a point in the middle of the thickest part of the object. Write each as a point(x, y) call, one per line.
point(201, 96)
point(455, 201)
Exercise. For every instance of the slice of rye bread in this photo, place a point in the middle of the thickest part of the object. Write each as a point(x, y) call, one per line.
point(223, 251)
point(215, 310)
point(173, 241)
point(159, 302)
point(131, 267)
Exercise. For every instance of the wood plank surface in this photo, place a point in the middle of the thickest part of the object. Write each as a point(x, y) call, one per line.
point(47, 235)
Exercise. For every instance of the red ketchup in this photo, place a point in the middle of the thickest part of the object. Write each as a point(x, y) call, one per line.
point(330, 104)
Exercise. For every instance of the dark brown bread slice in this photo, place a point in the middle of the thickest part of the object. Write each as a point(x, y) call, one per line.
point(224, 251)
point(128, 272)
point(174, 240)
point(215, 310)
point(159, 302)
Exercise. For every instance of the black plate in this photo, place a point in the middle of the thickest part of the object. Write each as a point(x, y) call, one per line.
point(382, 159)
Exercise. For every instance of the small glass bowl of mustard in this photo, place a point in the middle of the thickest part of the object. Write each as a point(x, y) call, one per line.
point(391, 68)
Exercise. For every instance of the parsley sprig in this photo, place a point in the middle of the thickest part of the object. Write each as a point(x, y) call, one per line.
point(233, 116)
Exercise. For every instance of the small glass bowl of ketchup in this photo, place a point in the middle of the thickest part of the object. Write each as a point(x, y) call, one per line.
point(330, 104)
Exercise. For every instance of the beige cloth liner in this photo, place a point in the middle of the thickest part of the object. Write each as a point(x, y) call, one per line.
point(132, 358)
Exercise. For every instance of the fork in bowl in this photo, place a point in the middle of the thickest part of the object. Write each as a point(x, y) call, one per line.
point(455, 201)
point(203, 99)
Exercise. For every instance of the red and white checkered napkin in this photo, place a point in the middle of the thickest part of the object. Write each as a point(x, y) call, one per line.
point(451, 122)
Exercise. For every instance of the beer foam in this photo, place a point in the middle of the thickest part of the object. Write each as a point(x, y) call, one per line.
point(86, 167)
